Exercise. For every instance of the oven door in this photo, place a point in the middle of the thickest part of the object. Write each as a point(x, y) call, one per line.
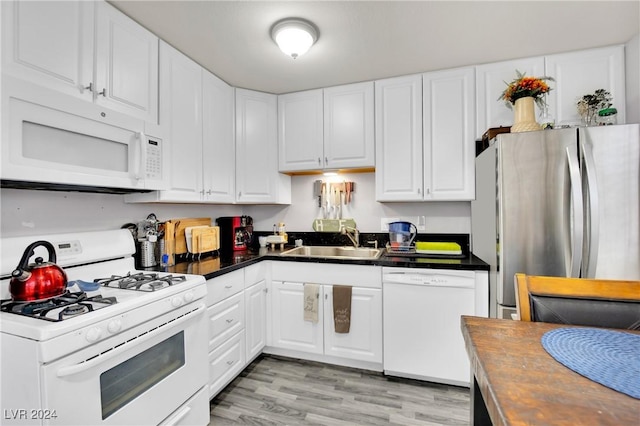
point(140, 376)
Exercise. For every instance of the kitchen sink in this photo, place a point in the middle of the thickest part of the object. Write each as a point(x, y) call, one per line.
point(333, 252)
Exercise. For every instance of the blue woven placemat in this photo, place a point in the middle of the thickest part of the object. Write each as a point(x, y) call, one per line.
point(611, 358)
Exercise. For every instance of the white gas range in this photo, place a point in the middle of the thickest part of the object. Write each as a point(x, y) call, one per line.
point(121, 346)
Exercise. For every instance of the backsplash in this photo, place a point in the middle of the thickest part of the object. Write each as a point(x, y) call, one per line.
point(30, 212)
point(366, 239)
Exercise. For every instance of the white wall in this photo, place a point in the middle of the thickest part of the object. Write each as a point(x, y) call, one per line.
point(25, 212)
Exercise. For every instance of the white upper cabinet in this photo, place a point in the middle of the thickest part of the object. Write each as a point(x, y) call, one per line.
point(218, 140)
point(399, 139)
point(181, 121)
point(196, 117)
point(257, 177)
point(449, 142)
point(491, 81)
point(424, 137)
point(348, 126)
point(328, 128)
point(300, 131)
point(126, 77)
point(50, 44)
point(583, 72)
point(575, 74)
point(88, 50)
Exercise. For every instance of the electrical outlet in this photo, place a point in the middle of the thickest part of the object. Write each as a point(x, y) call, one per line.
point(385, 221)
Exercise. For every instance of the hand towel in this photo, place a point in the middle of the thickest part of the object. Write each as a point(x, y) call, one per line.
point(311, 295)
point(341, 308)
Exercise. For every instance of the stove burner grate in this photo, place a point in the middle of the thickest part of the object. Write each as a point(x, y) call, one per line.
point(70, 304)
point(140, 281)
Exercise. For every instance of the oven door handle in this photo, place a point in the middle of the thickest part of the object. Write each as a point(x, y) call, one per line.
point(86, 365)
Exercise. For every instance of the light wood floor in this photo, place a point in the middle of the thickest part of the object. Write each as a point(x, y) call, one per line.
point(282, 391)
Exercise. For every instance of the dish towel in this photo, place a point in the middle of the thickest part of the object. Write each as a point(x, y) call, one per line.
point(311, 295)
point(341, 308)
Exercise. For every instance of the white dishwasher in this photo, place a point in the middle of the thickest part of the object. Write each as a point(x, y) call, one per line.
point(421, 322)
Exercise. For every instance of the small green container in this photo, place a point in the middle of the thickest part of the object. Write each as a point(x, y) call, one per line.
point(607, 116)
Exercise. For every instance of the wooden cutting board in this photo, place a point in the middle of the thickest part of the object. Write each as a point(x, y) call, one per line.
point(205, 239)
point(180, 225)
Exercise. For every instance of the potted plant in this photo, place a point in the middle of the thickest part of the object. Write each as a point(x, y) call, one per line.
point(522, 93)
point(589, 105)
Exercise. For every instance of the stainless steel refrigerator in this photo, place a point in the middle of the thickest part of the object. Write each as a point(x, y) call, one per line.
point(560, 202)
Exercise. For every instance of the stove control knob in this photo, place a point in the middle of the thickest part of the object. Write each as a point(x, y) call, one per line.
point(114, 326)
point(94, 334)
point(188, 296)
point(176, 302)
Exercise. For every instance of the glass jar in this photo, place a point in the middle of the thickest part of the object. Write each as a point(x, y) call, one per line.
point(607, 117)
point(546, 119)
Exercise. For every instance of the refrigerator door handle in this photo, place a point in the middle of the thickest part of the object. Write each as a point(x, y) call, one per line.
point(573, 250)
point(593, 210)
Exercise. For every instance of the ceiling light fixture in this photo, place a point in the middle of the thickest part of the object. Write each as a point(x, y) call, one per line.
point(294, 36)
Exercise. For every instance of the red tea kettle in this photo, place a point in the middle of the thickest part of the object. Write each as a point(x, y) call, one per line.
point(39, 280)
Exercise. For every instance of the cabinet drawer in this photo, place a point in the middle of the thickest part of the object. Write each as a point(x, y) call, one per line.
point(193, 412)
point(353, 275)
point(225, 319)
point(220, 288)
point(225, 363)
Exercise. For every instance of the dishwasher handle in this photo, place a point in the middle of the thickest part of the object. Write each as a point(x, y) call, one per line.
point(431, 280)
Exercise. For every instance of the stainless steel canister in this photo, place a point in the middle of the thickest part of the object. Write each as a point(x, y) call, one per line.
point(147, 253)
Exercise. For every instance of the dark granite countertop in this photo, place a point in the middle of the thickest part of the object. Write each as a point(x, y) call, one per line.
point(212, 265)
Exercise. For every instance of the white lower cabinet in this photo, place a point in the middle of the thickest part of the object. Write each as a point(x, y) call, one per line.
point(364, 340)
point(290, 330)
point(225, 309)
point(255, 299)
point(237, 311)
point(291, 335)
point(225, 363)
point(225, 319)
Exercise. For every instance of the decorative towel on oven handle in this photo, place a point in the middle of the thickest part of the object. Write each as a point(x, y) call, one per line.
point(311, 296)
point(341, 308)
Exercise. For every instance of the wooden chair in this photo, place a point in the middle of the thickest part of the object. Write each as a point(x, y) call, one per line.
point(578, 301)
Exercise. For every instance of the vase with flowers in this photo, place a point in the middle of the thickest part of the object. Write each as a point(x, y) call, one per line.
point(523, 93)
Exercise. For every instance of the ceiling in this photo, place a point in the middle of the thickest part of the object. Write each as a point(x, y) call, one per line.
point(368, 40)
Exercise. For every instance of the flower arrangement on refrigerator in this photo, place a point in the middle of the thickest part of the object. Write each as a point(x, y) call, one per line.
point(589, 105)
point(523, 86)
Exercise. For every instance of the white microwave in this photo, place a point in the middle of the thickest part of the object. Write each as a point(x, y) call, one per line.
point(43, 145)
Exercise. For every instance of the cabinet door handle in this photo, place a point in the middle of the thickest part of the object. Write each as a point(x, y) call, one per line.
point(319, 161)
point(230, 362)
point(228, 286)
point(89, 87)
point(103, 93)
point(326, 161)
point(229, 321)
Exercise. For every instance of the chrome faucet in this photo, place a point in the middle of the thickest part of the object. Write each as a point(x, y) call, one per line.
point(352, 233)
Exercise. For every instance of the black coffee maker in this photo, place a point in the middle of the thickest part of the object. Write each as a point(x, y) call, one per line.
point(236, 233)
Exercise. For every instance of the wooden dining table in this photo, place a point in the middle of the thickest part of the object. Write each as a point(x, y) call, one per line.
point(516, 382)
